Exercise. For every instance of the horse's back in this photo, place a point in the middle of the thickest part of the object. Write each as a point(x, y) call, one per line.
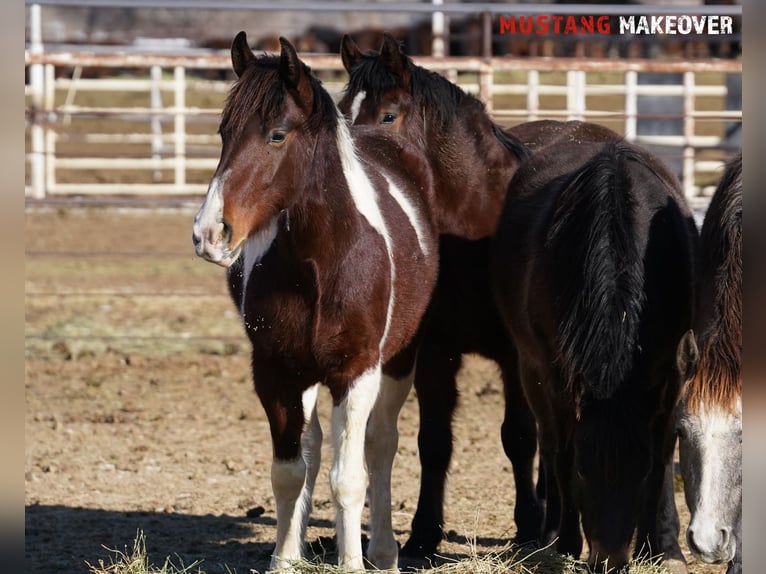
point(539, 134)
point(548, 242)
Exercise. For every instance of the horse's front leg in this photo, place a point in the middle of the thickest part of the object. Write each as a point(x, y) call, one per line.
point(348, 478)
point(294, 468)
point(658, 524)
point(380, 448)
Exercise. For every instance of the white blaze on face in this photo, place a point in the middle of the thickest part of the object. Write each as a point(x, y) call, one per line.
point(718, 497)
point(208, 226)
point(356, 105)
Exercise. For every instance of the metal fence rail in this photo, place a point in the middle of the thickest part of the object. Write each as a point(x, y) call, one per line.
point(514, 90)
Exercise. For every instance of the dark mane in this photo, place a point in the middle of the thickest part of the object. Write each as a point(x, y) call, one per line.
point(718, 380)
point(260, 90)
point(434, 94)
point(600, 271)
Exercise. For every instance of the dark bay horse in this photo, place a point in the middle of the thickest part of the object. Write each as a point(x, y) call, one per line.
point(473, 159)
point(710, 418)
point(331, 253)
point(593, 267)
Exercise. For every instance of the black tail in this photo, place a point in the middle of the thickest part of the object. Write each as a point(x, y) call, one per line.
point(599, 271)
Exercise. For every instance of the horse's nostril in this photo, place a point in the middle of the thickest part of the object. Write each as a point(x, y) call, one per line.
point(195, 240)
point(226, 232)
point(725, 535)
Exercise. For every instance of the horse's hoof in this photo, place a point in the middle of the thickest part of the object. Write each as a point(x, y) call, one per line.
point(417, 547)
point(675, 566)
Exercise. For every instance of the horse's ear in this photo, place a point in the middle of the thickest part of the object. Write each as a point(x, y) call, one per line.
point(292, 72)
point(393, 58)
point(349, 52)
point(687, 355)
point(241, 54)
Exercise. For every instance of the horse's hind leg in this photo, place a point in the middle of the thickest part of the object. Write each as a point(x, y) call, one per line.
point(435, 383)
point(380, 448)
point(519, 436)
point(348, 478)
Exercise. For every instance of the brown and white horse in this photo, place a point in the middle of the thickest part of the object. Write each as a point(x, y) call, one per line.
point(710, 418)
point(331, 253)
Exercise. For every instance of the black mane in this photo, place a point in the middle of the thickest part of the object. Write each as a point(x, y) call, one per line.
point(260, 90)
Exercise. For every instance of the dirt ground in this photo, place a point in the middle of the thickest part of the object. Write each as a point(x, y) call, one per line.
point(140, 412)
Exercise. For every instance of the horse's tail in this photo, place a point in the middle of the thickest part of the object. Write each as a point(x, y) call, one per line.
point(718, 380)
point(599, 270)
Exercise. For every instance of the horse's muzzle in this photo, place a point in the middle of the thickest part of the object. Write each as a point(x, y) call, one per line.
point(713, 546)
point(211, 242)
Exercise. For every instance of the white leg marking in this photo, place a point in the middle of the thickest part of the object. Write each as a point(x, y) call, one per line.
point(357, 104)
point(287, 481)
point(409, 210)
point(348, 479)
point(293, 484)
point(381, 444)
point(255, 248)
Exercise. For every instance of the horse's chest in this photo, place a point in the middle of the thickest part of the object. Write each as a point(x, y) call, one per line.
point(277, 307)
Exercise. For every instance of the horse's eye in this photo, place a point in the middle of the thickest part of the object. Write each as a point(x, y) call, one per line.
point(277, 137)
point(388, 118)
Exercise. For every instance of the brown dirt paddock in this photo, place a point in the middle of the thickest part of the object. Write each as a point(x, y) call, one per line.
point(140, 412)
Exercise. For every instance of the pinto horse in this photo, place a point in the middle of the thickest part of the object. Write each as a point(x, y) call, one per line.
point(710, 418)
point(331, 253)
point(473, 159)
point(593, 267)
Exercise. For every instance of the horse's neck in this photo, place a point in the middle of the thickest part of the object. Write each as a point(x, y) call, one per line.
point(472, 169)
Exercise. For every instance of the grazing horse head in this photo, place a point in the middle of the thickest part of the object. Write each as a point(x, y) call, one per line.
point(269, 128)
point(710, 418)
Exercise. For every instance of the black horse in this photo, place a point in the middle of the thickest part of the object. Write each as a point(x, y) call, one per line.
point(594, 273)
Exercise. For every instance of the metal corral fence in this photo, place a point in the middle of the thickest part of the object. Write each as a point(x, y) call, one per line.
point(113, 121)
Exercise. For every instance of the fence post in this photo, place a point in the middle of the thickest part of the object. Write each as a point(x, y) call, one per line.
point(688, 157)
point(533, 94)
point(49, 102)
point(180, 126)
point(36, 82)
point(156, 121)
point(576, 94)
point(485, 84)
point(437, 31)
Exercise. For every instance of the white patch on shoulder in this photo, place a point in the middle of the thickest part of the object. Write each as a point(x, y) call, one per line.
point(409, 209)
point(254, 250)
point(366, 201)
point(356, 105)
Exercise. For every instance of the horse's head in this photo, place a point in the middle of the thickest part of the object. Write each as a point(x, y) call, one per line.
point(710, 449)
point(709, 427)
point(614, 458)
point(611, 468)
point(269, 129)
point(379, 90)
